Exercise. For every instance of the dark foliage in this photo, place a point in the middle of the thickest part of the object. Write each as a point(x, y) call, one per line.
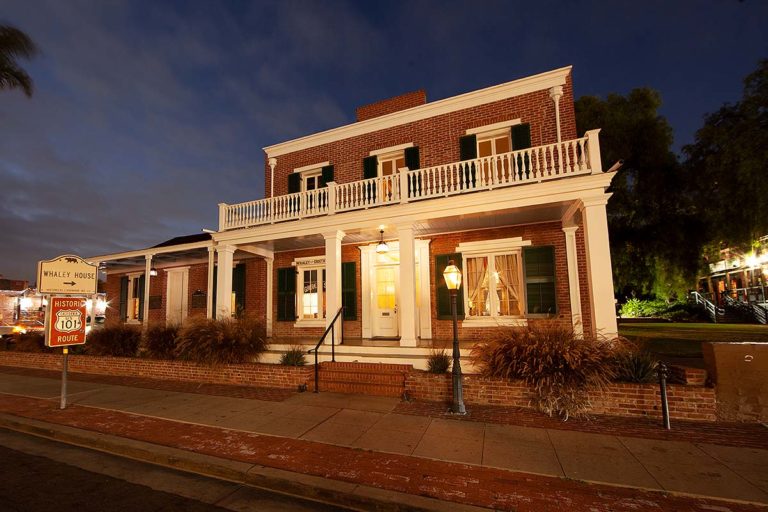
point(117, 340)
point(221, 341)
point(438, 362)
point(295, 356)
point(160, 341)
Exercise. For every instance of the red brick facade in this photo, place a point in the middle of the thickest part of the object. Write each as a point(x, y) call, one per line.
point(388, 106)
point(437, 137)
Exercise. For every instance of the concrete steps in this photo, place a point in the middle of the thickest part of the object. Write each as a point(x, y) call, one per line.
point(375, 379)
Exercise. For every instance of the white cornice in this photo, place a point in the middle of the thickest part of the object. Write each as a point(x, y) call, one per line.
point(542, 81)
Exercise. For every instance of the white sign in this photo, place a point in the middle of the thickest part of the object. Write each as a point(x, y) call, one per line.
point(67, 274)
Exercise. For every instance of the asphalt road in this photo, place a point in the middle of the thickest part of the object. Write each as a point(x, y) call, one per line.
point(39, 475)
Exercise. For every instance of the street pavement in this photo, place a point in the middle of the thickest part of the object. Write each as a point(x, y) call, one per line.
point(370, 423)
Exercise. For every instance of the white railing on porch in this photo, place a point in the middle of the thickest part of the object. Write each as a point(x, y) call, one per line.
point(532, 165)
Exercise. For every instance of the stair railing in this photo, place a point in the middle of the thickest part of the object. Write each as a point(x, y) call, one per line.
point(712, 310)
point(330, 329)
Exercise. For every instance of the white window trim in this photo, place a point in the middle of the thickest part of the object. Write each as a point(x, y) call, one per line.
point(311, 167)
point(489, 249)
point(129, 298)
point(302, 264)
point(481, 130)
point(312, 173)
point(391, 149)
point(392, 155)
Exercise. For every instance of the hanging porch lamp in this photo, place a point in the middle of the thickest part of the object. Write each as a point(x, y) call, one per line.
point(382, 246)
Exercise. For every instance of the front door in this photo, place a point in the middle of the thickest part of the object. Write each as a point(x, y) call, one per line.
point(176, 310)
point(385, 322)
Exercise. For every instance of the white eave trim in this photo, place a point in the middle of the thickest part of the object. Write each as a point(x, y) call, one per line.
point(152, 251)
point(499, 92)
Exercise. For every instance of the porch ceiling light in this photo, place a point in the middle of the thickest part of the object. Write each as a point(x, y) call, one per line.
point(153, 272)
point(452, 276)
point(382, 246)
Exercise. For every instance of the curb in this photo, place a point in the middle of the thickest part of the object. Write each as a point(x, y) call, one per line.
point(334, 492)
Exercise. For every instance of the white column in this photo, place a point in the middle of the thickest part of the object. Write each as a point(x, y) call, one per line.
point(272, 165)
point(270, 284)
point(599, 265)
point(147, 278)
point(573, 277)
point(555, 93)
point(211, 291)
point(332, 278)
point(407, 307)
point(224, 281)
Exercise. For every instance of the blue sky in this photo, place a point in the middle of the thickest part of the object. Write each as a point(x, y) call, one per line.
point(146, 114)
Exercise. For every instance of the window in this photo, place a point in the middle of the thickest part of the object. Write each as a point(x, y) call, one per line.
point(493, 143)
point(310, 180)
point(135, 296)
point(310, 290)
point(493, 285)
point(390, 163)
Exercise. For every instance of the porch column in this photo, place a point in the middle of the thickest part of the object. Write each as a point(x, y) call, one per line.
point(332, 277)
point(599, 265)
point(147, 278)
point(407, 306)
point(224, 281)
point(211, 291)
point(270, 281)
point(573, 277)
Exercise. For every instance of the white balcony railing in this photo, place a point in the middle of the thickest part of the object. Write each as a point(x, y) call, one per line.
point(532, 165)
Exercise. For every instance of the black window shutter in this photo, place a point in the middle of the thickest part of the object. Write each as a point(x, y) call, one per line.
point(521, 136)
point(370, 167)
point(294, 182)
point(468, 151)
point(349, 290)
point(215, 286)
point(468, 147)
point(540, 279)
point(238, 286)
point(443, 295)
point(286, 294)
point(142, 282)
point(123, 298)
point(327, 175)
point(412, 158)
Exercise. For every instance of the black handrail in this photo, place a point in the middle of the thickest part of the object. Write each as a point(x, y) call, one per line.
point(330, 329)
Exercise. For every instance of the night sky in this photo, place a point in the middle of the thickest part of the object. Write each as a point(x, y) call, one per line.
point(148, 114)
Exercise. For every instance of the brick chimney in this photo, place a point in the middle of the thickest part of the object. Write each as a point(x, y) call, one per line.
point(388, 106)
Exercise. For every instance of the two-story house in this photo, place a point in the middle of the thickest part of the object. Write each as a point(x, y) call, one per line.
point(368, 215)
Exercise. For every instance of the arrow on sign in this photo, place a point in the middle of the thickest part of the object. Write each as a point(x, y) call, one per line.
point(71, 283)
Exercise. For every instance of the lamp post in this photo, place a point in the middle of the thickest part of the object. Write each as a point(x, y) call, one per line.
point(452, 276)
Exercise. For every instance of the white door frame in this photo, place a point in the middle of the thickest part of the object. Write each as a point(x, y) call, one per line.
point(367, 296)
point(184, 272)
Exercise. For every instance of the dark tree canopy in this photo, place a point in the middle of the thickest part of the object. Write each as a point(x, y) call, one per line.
point(655, 238)
point(727, 166)
point(15, 44)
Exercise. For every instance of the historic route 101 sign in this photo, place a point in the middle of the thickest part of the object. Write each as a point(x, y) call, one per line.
point(67, 274)
point(65, 322)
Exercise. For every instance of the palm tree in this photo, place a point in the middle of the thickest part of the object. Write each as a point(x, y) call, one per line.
point(15, 44)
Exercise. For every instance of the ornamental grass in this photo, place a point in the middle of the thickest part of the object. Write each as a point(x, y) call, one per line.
point(159, 342)
point(438, 361)
point(226, 341)
point(561, 366)
point(294, 356)
point(116, 340)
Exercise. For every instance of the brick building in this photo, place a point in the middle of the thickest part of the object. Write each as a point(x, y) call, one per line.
point(368, 215)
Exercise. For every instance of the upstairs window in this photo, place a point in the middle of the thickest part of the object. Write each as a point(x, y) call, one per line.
point(493, 143)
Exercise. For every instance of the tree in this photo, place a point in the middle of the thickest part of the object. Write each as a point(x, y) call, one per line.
point(655, 238)
point(15, 44)
point(727, 166)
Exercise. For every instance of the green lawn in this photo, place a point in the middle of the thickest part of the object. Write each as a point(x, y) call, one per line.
point(682, 340)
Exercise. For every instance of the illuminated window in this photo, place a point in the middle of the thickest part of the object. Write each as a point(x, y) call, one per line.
point(493, 285)
point(310, 287)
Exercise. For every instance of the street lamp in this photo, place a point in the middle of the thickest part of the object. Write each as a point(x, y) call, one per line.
point(452, 276)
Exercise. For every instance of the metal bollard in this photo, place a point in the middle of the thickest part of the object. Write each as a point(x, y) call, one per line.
point(663, 372)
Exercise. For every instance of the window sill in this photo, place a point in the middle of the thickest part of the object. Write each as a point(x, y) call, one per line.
point(495, 322)
point(320, 322)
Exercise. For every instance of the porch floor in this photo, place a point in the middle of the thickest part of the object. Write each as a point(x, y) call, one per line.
point(376, 342)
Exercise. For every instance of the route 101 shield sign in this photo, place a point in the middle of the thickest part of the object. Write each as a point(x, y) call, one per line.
point(65, 322)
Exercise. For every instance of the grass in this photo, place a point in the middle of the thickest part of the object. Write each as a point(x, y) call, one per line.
point(683, 340)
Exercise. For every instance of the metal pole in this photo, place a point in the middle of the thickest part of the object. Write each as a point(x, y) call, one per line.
point(64, 380)
point(333, 342)
point(316, 371)
point(663, 373)
point(458, 393)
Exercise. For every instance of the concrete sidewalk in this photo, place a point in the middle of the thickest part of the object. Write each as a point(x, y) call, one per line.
point(369, 423)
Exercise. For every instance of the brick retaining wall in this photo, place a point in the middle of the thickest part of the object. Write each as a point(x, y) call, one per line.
point(621, 399)
point(247, 374)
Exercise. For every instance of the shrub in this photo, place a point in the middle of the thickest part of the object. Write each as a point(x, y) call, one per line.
point(117, 340)
point(160, 341)
point(636, 308)
point(28, 342)
point(438, 362)
point(224, 341)
point(295, 356)
point(560, 366)
point(635, 366)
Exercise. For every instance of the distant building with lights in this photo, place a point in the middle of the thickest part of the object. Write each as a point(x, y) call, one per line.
point(368, 215)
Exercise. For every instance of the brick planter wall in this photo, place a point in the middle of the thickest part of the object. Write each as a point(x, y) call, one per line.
point(685, 402)
point(247, 374)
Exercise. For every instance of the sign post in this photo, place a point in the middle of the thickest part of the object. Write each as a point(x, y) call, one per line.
point(66, 315)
